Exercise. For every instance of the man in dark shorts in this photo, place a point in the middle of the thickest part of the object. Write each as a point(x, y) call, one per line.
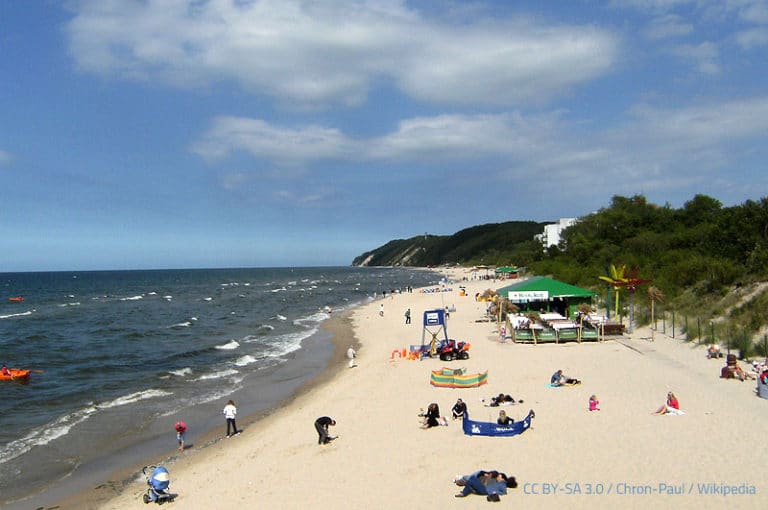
point(321, 425)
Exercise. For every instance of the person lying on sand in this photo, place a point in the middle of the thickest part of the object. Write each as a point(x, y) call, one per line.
point(487, 483)
point(501, 400)
point(560, 379)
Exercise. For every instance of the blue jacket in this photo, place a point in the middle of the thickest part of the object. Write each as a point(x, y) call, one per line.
point(476, 485)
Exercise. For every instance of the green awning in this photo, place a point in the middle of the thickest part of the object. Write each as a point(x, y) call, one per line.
point(540, 288)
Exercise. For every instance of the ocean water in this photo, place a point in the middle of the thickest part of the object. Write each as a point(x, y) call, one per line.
point(119, 356)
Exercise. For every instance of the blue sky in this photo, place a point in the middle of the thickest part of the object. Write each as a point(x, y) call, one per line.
point(221, 133)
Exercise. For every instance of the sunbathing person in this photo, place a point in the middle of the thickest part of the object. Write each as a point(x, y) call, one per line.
point(732, 370)
point(432, 416)
point(504, 419)
point(488, 483)
point(501, 399)
point(560, 379)
point(671, 407)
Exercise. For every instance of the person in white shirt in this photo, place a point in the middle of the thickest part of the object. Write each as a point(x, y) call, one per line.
point(230, 411)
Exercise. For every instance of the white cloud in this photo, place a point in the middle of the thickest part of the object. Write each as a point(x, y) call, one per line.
point(704, 55)
point(423, 139)
point(668, 26)
point(752, 38)
point(657, 148)
point(332, 52)
point(703, 126)
point(264, 141)
point(755, 11)
point(317, 197)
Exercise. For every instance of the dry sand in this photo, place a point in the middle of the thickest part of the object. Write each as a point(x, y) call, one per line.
point(623, 454)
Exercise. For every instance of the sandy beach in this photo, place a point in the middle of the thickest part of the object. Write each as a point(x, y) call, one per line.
point(622, 456)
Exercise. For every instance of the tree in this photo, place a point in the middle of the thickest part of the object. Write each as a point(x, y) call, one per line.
point(654, 294)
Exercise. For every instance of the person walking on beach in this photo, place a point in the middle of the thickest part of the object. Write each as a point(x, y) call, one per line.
point(230, 412)
point(351, 355)
point(321, 426)
point(181, 430)
point(408, 316)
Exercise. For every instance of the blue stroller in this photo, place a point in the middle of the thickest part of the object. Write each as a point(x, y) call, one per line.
point(158, 482)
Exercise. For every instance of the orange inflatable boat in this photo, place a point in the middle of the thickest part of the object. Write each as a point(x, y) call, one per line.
point(15, 374)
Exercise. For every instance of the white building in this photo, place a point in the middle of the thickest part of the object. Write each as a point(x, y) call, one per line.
point(551, 235)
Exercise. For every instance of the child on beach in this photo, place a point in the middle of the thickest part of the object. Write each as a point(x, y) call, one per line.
point(593, 403)
point(181, 430)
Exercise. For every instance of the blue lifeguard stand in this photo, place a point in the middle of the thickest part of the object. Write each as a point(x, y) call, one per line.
point(434, 324)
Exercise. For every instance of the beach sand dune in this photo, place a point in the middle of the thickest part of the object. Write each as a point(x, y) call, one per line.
point(622, 456)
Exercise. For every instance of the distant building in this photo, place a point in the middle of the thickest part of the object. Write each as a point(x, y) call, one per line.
point(551, 234)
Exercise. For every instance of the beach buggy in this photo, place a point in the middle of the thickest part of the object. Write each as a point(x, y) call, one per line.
point(158, 481)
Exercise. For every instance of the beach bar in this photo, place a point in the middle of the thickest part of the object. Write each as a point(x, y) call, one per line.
point(557, 304)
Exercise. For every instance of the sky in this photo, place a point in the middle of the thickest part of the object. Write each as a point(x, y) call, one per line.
point(151, 134)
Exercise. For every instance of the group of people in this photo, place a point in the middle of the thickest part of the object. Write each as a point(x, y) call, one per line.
point(230, 413)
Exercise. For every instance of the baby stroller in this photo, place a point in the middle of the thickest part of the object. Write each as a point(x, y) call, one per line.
point(158, 482)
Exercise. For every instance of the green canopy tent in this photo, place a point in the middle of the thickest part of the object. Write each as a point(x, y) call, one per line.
point(545, 294)
point(506, 272)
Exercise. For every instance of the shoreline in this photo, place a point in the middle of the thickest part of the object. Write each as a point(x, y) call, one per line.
point(383, 458)
point(120, 480)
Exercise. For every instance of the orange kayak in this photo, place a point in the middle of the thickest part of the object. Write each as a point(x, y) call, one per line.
point(16, 374)
point(17, 299)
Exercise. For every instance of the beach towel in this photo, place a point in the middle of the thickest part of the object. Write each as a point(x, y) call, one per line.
point(484, 428)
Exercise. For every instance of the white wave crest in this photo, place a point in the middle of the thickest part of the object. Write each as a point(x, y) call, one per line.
point(62, 425)
point(285, 344)
point(45, 434)
point(181, 372)
point(217, 375)
point(311, 319)
point(229, 346)
point(132, 298)
point(133, 397)
point(22, 314)
point(244, 360)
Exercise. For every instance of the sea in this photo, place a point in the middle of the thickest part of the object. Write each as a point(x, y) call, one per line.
point(119, 356)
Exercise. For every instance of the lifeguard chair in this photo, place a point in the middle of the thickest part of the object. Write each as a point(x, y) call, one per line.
point(434, 324)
